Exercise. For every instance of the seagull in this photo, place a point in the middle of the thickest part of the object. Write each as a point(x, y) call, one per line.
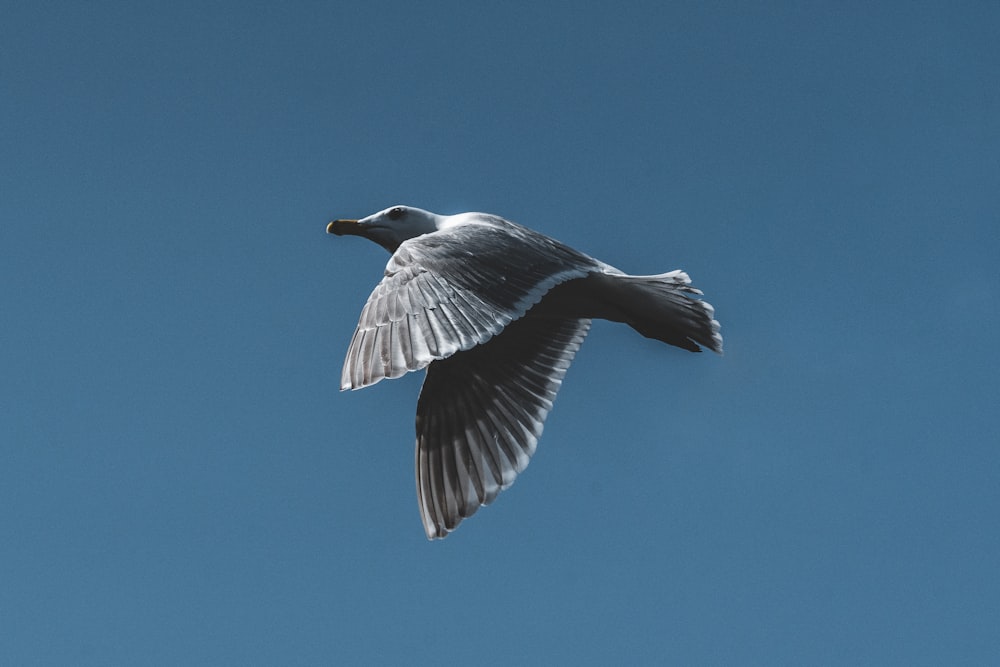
point(495, 313)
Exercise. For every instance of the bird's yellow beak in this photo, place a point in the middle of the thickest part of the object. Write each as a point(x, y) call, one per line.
point(341, 227)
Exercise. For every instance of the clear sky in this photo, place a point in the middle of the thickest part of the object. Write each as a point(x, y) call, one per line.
point(182, 483)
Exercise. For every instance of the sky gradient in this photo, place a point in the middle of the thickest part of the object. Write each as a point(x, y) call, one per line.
point(181, 482)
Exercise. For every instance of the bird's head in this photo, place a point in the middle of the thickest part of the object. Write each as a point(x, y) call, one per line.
point(390, 227)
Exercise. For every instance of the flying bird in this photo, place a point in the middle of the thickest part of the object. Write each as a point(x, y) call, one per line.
point(495, 312)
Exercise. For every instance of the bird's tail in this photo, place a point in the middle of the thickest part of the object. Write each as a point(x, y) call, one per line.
point(663, 307)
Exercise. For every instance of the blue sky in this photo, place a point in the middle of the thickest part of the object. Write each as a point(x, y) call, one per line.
point(182, 483)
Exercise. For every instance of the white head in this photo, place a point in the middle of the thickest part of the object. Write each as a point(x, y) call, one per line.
point(391, 226)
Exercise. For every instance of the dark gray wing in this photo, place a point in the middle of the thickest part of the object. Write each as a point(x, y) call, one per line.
point(452, 290)
point(481, 412)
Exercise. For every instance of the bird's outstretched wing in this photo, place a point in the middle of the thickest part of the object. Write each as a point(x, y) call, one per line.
point(452, 290)
point(481, 412)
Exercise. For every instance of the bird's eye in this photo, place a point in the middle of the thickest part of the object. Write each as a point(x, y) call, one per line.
point(396, 213)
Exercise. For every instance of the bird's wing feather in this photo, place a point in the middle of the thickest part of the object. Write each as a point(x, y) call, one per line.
point(481, 412)
point(452, 290)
